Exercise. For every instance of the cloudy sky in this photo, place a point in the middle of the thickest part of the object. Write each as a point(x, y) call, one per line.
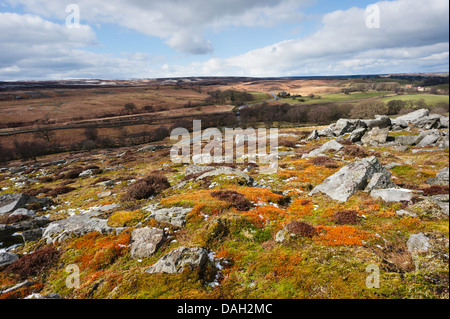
point(116, 39)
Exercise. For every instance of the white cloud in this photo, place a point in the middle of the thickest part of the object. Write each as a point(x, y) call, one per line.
point(411, 33)
point(181, 24)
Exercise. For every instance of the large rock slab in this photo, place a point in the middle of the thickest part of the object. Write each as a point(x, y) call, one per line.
point(352, 178)
point(392, 194)
point(344, 126)
point(11, 202)
point(328, 146)
point(7, 258)
point(380, 121)
point(175, 216)
point(146, 241)
point(175, 261)
point(76, 225)
point(418, 242)
point(442, 178)
point(376, 135)
point(413, 116)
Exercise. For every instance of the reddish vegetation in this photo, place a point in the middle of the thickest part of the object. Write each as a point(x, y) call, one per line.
point(8, 219)
point(34, 264)
point(236, 199)
point(301, 228)
point(355, 150)
point(340, 235)
point(346, 217)
point(146, 187)
point(436, 190)
point(324, 161)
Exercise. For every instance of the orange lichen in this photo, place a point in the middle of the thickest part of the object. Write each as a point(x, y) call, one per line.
point(262, 215)
point(301, 207)
point(260, 195)
point(100, 251)
point(340, 235)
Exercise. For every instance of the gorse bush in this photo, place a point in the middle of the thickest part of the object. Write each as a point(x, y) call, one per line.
point(146, 187)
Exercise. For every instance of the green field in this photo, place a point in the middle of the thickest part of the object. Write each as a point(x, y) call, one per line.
point(430, 99)
point(337, 97)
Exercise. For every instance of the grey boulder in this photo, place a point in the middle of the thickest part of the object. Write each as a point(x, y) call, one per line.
point(175, 261)
point(354, 177)
point(146, 241)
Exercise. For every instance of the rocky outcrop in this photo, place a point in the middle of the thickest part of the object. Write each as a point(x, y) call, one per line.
point(354, 177)
point(442, 178)
point(76, 225)
point(375, 136)
point(418, 242)
point(175, 261)
point(392, 194)
point(11, 202)
point(146, 241)
point(7, 258)
point(175, 216)
point(332, 145)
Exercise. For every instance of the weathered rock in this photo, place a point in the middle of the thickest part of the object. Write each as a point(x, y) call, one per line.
point(196, 169)
point(351, 178)
point(432, 121)
point(442, 201)
point(376, 135)
point(398, 125)
point(406, 140)
point(380, 121)
point(175, 216)
point(413, 116)
point(443, 142)
point(24, 212)
point(86, 173)
point(429, 138)
point(313, 136)
point(76, 225)
point(343, 126)
point(146, 241)
point(418, 242)
point(326, 132)
point(328, 146)
point(442, 178)
point(392, 194)
point(403, 212)
point(357, 134)
point(11, 202)
point(380, 181)
point(7, 258)
point(175, 261)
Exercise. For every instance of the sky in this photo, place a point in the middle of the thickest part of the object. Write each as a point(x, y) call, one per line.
point(116, 39)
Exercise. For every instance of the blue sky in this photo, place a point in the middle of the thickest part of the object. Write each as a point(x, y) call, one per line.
point(149, 39)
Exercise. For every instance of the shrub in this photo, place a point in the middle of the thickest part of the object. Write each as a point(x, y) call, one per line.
point(146, 187)
point(301, 228)
point(73, 173)
point(346, 217)
point(8, 219)
point(37, 191)
point(60, 190)
point(35, 263)
point(354, 150)
point(436, 190)
point(324, 161)
point(237, 200)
